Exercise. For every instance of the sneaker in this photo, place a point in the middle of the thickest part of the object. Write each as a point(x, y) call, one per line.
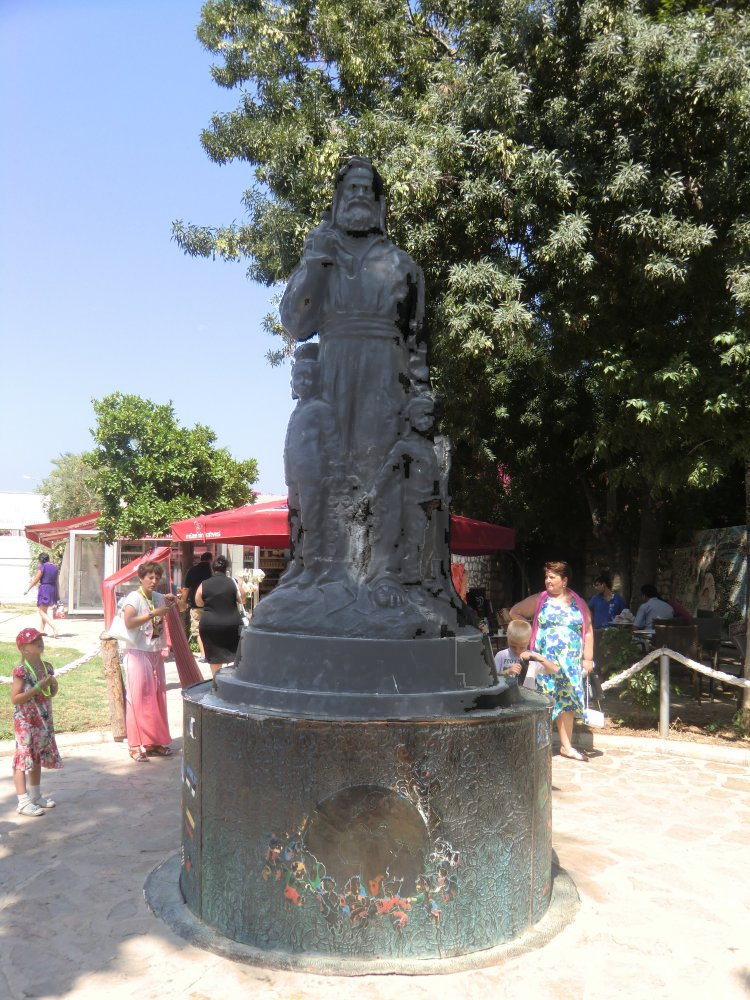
point(30, 809)
point(44, 802)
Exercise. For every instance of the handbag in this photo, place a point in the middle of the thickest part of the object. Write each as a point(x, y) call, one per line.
point(591, 716)
point(120, 631)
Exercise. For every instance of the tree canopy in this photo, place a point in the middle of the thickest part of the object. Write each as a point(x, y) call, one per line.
point(149, 471)
point(574, 180)
point(70, 488)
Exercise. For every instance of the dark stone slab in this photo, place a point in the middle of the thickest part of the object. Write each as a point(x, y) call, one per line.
point(164, 899)
point(364, 839)
point(333, 677)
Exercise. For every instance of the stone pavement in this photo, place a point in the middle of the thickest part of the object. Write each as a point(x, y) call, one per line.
point(655, 838)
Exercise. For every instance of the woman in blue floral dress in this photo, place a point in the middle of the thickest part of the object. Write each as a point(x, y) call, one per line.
point(561, 631)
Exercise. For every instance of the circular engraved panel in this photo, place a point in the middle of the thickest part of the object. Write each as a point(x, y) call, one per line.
point(372, 833)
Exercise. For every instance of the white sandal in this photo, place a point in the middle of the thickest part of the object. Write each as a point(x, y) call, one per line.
point(30, 809)
point(573, 754)
point(44, 802)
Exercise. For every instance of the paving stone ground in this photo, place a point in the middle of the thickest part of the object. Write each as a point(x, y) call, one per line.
point(656, 842)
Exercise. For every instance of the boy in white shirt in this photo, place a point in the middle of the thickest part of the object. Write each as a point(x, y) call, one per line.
point(510, 662)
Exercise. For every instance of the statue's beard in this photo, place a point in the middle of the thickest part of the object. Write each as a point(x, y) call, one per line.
point(358, 217)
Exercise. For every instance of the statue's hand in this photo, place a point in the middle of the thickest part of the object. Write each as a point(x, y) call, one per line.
point(321, 245)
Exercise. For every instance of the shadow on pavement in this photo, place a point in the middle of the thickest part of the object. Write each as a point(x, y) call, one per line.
point(72, 880)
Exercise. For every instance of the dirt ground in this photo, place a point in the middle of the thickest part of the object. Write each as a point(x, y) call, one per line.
point(708, 720)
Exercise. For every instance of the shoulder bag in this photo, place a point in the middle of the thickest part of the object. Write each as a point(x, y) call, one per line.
point(119, 630)
point(591, 716)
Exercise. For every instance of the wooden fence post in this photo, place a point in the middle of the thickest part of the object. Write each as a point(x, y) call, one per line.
point(115, 689)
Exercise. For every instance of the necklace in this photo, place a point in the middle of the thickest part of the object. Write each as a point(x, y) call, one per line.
point(32, 670)
point(155, 625)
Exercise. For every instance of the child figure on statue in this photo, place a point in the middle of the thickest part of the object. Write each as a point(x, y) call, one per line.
point(34, 685)
point(409, 482)
point(311, 463)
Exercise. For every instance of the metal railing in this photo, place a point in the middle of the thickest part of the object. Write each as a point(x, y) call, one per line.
point(664, 654)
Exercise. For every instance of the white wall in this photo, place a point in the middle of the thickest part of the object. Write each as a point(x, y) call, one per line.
point(19, 509)
point(16, 511)
point(14, 570)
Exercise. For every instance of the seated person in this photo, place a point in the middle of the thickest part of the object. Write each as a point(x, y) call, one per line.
point(680, 611)
point(653, 607)
point(511, 661)
point(605, 603)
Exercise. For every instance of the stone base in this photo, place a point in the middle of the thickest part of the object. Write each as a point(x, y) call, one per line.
point(354, 678)
point(365, 840)
point(165, 900)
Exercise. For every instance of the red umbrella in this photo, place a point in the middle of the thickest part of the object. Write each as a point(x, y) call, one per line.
point(267, 524)
point(160, 553)
point(187, 668)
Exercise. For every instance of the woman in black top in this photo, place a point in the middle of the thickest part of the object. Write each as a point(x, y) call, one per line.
point(220, 623)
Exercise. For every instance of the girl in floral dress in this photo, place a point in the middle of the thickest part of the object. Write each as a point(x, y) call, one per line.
point(561, 632)
point(34, 685)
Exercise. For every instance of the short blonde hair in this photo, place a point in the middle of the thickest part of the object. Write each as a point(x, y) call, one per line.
point(518, 632)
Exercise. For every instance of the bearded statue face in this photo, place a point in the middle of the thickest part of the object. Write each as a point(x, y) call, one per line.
point(357, 209)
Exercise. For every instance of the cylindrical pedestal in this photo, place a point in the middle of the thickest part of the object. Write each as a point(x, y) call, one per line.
point(360, 839)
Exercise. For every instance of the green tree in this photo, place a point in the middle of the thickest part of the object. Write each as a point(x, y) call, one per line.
point(149, 471)
point(70, 488)
point(573, 179)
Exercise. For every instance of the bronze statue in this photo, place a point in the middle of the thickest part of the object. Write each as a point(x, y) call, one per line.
point(367, 501)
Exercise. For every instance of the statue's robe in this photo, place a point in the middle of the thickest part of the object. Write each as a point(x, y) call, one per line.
point(366, 308)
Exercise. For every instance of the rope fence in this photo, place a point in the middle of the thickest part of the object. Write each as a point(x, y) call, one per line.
point(700, 668)
point(664, 655)
point(68, 666)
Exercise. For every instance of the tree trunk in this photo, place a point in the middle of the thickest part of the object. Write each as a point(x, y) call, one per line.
point(649, 540)
point(524, 575)
point(115, 689)
point(746, 665)
point(618, 546)
point(605, 532)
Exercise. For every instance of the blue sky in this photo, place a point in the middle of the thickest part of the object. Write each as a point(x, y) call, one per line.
point(101, 104)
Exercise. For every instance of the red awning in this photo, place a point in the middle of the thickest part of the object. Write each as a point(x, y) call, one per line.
point(267, 524)
point(476, 538)
point(54, 531)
